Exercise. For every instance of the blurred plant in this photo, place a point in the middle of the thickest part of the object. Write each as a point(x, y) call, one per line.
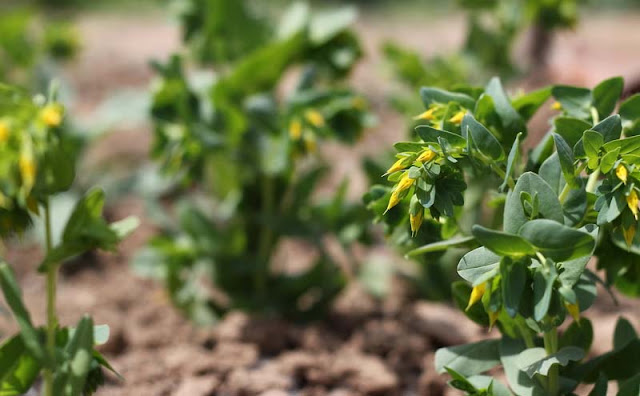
point(36, 163)
point(245, 150)
point(27, 44)
point(547, 217)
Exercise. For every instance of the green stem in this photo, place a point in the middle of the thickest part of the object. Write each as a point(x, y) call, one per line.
point(551, 347)
point(526, 334)
point(260, 275)
point(52, 320)
point(593, 179)
point(564, 193)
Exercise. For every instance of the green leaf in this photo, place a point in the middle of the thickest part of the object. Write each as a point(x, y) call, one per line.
point(630, 387)
point(572, 270)
point(630, 109)
point(600, 388)
point(628, 145)
point(608, 160)
point(606, 95)
point(542, 291)
point(623, 334)
point(519, 381)
point(409, 146)
point(440, 245)
point(557, 241)
point(566, 160)
point(486, 143)
point(512, 161)
point(527, 105)
point(536, 361)
point(575, 101)
point(468, 359)
point(478, 265)
point(549, 206)
point(502, 243)
point(551, 172)
point(578, 334)
point(485, 382)
point(431, 95)
point(571, 129)
point(78, 355)
point(18, 369)
point(610, 128)
point(620, 364)
point(431, 135)
point(592, 142)
point(13, 298)
point(514, 276)
point(512, 123)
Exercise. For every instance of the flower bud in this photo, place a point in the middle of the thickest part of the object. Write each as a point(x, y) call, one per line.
point(622, 173)
point(427, 155)
point(457, 118)
point(398, 165)
point(396, 196)
point(4, 131)
point(427, 115)
point(574, 311)
point(632, 203)
point(27, 170)
point(629, 234)
point(295, 129)
point(556, 106)
point(51, 115)
point(416, 220)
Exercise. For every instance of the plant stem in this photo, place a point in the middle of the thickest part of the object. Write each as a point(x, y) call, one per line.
point(265, 238)
point(551, 347)
point(564, 193)
point(52, 320)
point(593, 179)
point(526, 336)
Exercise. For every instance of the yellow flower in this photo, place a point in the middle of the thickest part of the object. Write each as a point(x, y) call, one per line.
point(622, 173)
point(457, 118)
point(574, 311)
point(493, 317)
point(427, 115)
point(4, 131)
point(476, 295)
point(51, 115)
point(398, 165)
point(427, 155)
point(629, 233)
point(416, 220)
point(295, 129)
point(315, 118)
point(632, 203)
point(359, 103)
point(556, 106)
point(27, 170)
point(405, 183)
point(310, 142)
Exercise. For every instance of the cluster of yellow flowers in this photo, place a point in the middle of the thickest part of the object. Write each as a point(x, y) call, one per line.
point(303, 128)
point(435, 113)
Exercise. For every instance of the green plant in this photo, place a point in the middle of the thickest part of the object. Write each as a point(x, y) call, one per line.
point(244, 149)
point(27, 44)
point(575, 197)
point(36, 163)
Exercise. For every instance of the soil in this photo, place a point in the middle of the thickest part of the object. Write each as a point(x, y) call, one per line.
point(365, 346)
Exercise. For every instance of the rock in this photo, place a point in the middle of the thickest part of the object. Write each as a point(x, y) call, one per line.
point(231, 355)
point(245, 382)
point(444, 324)
point(366, 374)
point(197, 386)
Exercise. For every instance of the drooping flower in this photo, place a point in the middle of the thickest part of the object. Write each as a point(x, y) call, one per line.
point(574, 311)
point(315, 118)
point(457, 118)
point(51, 115)
point(27, 170)
point(556, 106)
point(416, 220)
point(4, 131)
point(476, 294)
point(398, 165)
point(629, 234)
point(622, 173)
point(426, 115)
point(427, 155)
point(405, 183)
point(295, 129)
point(632, 203)
point(493, 317)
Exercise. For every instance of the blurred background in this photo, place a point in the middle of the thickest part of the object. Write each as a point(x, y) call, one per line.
point(380, 335)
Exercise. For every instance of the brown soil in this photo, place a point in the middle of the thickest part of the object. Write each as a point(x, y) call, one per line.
point(365, 346)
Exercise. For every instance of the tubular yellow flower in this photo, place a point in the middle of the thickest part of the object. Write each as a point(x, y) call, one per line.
point(427, 155)
point(315, 118)
point(404, 184)
point(295, 129)
point(632, 203)
point(310, 142)
point(27, 170)
point(574, 311)
point(457, 118)
point(51, 115)
point(4, 131)
point(476, 295)
point(622, 173)
point(416, 221)
point(427, 115)
point(493, 317)
point(398, 165)
point(556, 106)
point(629, 234)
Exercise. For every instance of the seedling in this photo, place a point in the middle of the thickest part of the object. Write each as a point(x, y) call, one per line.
point(245, 151)
point(525, 269)
point(36, 164)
